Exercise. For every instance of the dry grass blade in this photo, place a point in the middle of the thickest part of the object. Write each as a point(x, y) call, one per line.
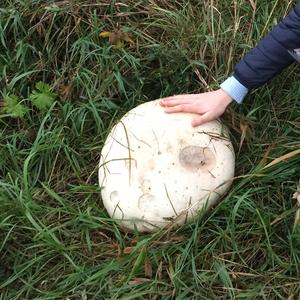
point(253, 4)
point(282, 158)
point(265, 156)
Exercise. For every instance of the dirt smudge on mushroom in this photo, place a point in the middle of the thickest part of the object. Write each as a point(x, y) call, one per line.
point(195, 158)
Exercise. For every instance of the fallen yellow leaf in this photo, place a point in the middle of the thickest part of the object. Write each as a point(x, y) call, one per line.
point(105, 34)
point(117, 38)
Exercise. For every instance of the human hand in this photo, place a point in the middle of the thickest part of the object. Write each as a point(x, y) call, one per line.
point(209, 106)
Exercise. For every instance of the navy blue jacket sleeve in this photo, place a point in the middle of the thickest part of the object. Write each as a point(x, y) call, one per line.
point(271, 55)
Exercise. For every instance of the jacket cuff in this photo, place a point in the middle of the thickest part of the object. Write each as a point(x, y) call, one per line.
point(235, 89)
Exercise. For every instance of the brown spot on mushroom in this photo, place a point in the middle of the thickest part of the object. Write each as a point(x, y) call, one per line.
point(195, 158)
point(145, 186)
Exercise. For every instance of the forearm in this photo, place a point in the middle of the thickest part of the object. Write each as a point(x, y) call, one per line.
point(266, 60)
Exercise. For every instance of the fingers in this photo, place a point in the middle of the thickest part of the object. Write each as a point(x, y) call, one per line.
point(202, 119)
point(181, 108)
point(176, 100)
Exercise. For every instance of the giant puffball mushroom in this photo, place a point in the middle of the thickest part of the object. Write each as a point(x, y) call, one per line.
point(156, 169)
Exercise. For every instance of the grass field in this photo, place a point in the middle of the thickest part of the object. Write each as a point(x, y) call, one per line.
point(56, 239)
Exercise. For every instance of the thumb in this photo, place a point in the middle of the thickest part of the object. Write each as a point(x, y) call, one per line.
point(201, 119)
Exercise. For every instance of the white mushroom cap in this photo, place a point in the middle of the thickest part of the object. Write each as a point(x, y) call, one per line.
point(155, 168)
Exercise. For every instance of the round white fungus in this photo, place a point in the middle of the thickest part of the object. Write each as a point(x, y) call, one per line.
point(156, 169)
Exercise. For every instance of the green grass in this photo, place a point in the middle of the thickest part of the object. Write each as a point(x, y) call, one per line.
point(56, 239)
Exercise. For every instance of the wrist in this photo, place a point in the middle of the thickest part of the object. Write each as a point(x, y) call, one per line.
point(225, 97)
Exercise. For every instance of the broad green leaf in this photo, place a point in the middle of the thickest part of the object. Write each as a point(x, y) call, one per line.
point(42, 97)
point(13, 106)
